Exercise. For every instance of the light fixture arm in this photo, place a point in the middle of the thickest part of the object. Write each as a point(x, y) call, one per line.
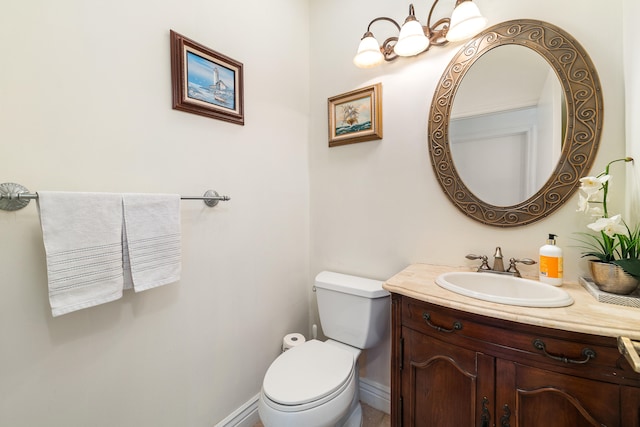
point(383, 18)
point(387, 46)
point(438, 31)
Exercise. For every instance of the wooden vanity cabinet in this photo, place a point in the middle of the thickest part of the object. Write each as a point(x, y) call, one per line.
point(451, 368)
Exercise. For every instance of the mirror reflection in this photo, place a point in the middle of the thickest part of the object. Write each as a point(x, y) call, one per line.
point(507, 125)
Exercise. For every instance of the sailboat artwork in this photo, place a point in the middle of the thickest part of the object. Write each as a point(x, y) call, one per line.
point(355, 116)
point(210, 82)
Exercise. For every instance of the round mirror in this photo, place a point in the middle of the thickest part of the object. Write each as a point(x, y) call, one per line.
point(515, 122)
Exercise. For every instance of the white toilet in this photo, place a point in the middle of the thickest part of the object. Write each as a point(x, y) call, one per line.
point(315, 384)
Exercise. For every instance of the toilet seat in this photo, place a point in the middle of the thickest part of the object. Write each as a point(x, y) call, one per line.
point(308, 375)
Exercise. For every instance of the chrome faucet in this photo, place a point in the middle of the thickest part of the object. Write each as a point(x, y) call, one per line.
point(498, 264)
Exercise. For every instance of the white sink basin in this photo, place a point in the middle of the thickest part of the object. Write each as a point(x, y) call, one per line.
point(504, 289)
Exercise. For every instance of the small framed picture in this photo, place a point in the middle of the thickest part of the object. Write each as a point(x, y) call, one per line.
point(206, 82)
point(356, 116)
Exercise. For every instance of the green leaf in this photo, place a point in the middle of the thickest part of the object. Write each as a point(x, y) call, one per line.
point(631, 266)
point(601, 257)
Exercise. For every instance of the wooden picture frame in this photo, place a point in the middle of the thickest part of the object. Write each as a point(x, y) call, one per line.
point(356, 116)
point(206, 82)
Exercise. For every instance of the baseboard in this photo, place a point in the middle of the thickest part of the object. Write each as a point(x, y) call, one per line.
point(376, 395)
point(244, 416)
point(372, 393)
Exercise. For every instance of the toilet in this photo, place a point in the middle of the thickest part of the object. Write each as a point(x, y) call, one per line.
point(315, 384)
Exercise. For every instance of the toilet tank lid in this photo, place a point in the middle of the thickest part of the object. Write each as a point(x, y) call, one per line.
point(354, 285)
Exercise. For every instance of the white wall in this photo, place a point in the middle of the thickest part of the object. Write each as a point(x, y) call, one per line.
point(632, 104)
point(85, 105)
point(376, 206)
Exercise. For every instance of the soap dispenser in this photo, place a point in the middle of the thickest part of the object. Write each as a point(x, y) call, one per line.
point(551, 262)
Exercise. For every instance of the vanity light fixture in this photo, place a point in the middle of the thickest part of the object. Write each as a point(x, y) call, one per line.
point(414, 38)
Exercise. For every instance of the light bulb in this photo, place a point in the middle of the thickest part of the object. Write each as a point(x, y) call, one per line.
point(411, 40)
point(466, 22)
point(368, 54)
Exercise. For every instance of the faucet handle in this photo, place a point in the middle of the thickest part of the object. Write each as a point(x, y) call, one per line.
point(526, 261)
point(512, 265)
point(483, 258)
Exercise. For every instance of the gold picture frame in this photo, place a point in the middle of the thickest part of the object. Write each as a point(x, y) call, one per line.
point(356, 116)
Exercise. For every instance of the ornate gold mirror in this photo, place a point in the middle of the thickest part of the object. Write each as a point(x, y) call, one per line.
point(546, 137)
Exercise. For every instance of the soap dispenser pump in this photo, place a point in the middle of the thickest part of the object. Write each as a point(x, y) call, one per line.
point(551, 262)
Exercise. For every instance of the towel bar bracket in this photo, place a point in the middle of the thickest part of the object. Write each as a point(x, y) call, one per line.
point(211, 198)
point(15, 196)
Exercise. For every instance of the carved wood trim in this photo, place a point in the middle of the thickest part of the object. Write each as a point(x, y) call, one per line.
point(562, 395)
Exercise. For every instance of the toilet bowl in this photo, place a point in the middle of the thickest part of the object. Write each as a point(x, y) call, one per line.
point(316, 384)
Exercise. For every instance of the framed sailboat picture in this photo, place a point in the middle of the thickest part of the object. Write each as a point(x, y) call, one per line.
point(206, 82)
point(356, 116)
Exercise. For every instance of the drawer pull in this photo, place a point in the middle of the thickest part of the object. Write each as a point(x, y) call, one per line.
point(456, 325)
point(587, 353)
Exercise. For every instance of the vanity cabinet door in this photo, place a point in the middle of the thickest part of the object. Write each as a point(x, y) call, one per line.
point(533, 397)
point(444, 385)
point(630, 407)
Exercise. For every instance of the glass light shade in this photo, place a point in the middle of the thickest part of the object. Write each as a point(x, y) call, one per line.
point(411, 40)
point(466, 21)
point(369, 54)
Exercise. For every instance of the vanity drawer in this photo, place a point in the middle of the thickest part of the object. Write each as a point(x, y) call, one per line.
point(575, 353)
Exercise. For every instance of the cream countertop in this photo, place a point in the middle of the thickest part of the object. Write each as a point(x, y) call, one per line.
point(585, 315)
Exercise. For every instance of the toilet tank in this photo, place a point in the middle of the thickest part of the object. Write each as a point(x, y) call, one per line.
point(353, 310)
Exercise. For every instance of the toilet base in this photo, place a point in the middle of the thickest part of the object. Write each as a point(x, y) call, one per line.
point(354, 417)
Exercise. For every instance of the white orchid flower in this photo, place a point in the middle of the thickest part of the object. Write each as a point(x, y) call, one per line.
point(596, 211)
point(583, 203)
point(592, 184)
point(610, 226)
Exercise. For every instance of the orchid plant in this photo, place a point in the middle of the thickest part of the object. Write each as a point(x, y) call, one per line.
point(614, 242)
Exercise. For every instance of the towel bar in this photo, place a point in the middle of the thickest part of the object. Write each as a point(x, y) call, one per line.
point(631, 351)
point(15, 196)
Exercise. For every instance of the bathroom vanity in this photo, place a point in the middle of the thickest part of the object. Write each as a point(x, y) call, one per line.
point(459, 361)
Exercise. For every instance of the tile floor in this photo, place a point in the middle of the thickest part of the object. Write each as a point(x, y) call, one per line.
point(370, 418)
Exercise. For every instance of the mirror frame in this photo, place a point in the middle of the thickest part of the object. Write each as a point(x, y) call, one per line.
point(584, 118)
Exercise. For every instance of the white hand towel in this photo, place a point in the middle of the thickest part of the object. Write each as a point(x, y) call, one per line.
point(82, 235)
point(152, 240)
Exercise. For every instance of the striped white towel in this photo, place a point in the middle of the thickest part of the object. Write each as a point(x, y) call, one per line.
point(82, 235)
point(152, 240)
